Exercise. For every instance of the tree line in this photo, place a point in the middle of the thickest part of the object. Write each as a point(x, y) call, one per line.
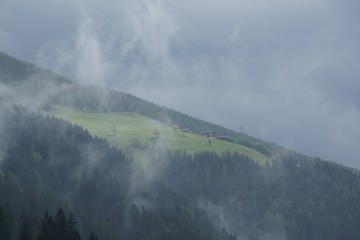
point(58, 227)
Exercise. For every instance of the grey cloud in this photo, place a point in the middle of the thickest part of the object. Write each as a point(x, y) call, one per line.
point(8, 41)
point(80, 55)
point(34, 22)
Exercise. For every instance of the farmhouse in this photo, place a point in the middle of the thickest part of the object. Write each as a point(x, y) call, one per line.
point(187, 130)
point(209, 134)
point(226, 138)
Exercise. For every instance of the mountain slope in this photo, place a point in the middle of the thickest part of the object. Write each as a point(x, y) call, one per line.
point(47, 163)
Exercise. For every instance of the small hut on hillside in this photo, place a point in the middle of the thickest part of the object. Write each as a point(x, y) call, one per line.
point(209, 134)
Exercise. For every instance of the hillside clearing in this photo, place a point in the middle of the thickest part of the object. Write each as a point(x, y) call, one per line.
point(134, 134)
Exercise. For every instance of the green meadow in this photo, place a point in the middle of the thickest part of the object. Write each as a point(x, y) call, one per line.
point(134, 134)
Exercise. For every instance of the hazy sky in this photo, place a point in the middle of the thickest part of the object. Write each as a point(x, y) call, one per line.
point(287, 71)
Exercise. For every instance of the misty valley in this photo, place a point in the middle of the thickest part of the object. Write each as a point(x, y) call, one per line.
point(83, 162)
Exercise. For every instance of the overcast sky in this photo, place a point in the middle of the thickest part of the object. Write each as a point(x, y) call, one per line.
point(286, 71)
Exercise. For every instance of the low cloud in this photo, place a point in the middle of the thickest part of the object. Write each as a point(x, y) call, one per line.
point(82, 56)
point(148, 167)
point(223, 218)
point(8, 41)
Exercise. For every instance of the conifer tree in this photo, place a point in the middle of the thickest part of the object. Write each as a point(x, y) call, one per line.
point(61, 225)
point(2, 222)
point(93, 236)
point(58, 228)
point(25, 231)
point(72, 233)
point(47, 229)
point(6, 223)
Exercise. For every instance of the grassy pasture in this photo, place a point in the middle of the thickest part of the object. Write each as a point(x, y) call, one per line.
point(134, 133)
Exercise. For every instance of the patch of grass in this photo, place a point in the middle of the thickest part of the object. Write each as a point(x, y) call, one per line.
point(135, 134)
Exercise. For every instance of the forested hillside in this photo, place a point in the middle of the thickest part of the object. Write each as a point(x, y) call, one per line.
point(54, 173)
point(49, 164)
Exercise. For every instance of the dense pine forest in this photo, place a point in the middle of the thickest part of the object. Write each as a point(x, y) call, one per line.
point(59, 182)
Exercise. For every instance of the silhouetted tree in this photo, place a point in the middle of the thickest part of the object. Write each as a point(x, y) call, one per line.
point(6, 223)
point(72, 233)
point(25, 231)
point(93, 236)
point(113, 129)
point(48, 229)
point(58, 228)
point(61, 225)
